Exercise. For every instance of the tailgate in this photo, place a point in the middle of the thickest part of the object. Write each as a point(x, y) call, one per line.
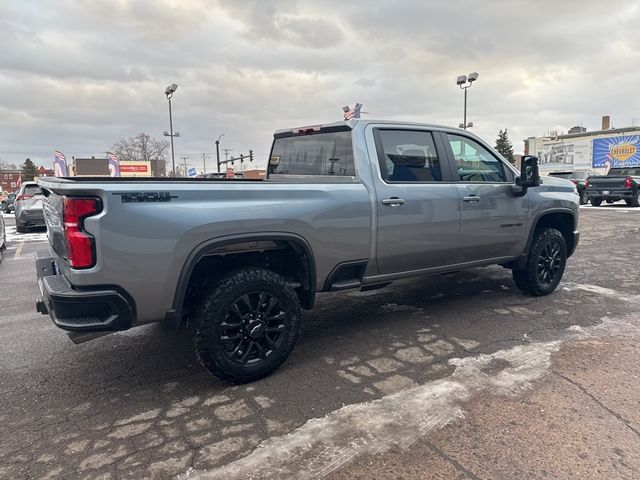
point(53, 216)
point(606, 182)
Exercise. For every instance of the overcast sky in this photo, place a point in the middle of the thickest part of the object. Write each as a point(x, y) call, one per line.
point(78, 75)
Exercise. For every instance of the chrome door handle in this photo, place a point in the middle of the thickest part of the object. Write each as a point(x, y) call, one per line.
point(393, 201)
point(471, 198)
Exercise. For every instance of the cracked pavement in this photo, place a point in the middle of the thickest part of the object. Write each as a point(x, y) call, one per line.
point(138, 405)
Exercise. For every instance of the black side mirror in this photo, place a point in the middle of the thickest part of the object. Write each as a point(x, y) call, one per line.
point(529, 172)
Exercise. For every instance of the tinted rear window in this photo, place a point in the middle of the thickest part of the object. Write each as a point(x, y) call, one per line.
point(624, 171)
point(318, 154)
point(560, 174)
point(32, 190)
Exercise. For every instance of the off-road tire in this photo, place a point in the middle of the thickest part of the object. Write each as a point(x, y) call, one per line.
point(595, 201)
point(529, 279)
point(214, 316)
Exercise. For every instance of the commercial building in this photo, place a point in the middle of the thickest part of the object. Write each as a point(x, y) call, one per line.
point(580, 149)
point(9, 180)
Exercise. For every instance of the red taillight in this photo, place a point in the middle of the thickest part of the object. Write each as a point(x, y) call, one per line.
point(80, 245)
point(574, 181)
point(627, 182)
point(23, 197)
point(586, 184)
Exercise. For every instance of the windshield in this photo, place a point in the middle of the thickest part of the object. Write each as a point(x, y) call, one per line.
point(560, 174)
point(32, 190)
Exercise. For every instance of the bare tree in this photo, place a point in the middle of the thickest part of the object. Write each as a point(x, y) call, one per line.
point(7, 166)
point(142, 147)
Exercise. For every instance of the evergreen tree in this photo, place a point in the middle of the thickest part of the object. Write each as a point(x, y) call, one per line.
point(504, 146)
point(29, 170)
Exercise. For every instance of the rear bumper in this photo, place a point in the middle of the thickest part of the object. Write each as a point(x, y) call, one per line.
point(31, 217)
point(618, 193)
point(74, 309)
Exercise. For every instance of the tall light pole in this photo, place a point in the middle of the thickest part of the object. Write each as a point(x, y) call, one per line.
point(169, 91)
point(464, 82)
point(218, 151)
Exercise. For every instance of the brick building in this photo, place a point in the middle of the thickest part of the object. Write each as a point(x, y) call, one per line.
point(9, 180)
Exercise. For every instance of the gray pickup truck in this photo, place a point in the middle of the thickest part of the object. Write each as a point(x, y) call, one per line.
point(348, 205)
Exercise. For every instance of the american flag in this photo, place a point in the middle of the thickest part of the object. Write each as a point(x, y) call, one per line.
point(351, 113)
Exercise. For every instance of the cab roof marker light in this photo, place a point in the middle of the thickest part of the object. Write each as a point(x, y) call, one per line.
point(309, 129)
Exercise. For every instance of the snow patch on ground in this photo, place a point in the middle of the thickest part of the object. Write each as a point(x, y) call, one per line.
point(396, 420)
point(322, 445)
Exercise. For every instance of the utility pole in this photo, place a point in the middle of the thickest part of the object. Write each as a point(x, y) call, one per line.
point(204, 163)
point(184, 159)
point(227, 151)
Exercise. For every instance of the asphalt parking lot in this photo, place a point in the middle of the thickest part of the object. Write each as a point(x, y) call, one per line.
point(456, 376)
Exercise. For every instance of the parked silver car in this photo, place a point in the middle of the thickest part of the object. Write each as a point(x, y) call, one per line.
point(28, 207)
point(3, 236)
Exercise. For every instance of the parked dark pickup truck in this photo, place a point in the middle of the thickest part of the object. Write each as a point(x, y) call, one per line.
point(618, 184)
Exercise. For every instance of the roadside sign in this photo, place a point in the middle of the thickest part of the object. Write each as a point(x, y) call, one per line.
point(192, 172)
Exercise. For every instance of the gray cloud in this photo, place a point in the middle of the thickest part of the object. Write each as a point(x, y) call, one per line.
point(77, 75)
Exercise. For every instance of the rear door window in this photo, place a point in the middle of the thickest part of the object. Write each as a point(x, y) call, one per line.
point(327, 154)
point(408, 156)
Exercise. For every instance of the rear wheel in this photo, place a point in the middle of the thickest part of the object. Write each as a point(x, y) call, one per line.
point(545, 263)
point(247, 325)
point(635, 201)
point(583, 198)
point(3, 207)
point(596, 201)
point(21, 228)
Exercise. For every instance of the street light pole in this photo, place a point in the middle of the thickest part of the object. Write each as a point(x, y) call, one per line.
point(218, 151)
point(465, 109)
point(464, 82)
point(173, 158)
point(169, 91)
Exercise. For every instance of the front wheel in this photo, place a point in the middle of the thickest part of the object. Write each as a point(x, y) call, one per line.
point(247, 325)
point(545, 264)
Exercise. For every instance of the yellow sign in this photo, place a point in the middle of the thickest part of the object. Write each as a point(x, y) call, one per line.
point(622, 151)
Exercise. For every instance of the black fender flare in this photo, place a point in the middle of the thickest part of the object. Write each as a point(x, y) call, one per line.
point(176, 312)
point(522, 260)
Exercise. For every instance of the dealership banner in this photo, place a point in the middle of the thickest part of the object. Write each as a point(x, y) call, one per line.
point(59, 164)
point(616, 152)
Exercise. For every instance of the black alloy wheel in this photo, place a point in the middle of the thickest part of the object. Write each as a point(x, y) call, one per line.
point(247, 324)
point(253, 328)
point(545, 265)
point(549, 263)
